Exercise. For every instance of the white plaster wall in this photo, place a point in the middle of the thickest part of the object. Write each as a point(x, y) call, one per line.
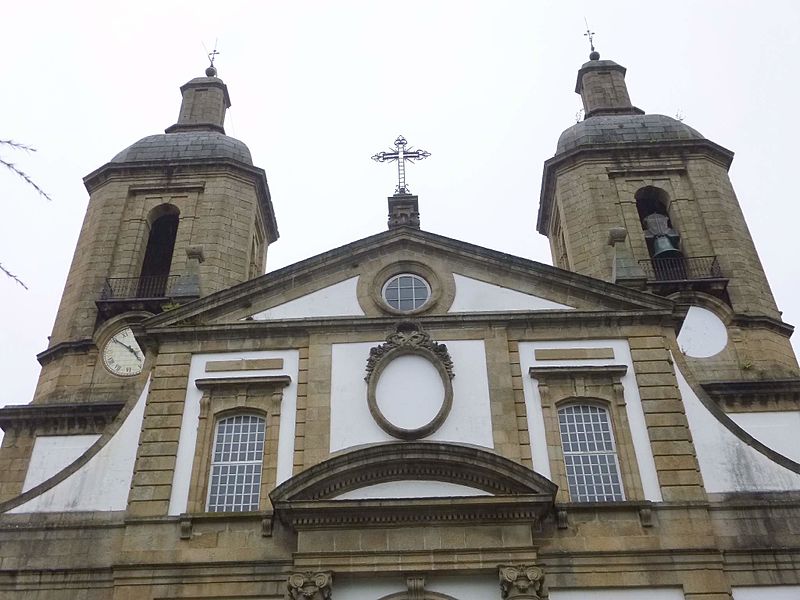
point(726, 462)
point(473, 295)
point(469, 422)
point(103, 483)
point(633, 406)
point(477, 587)
point(703, 333)
point(368, 589)
point(52, 453)
point(618, 594)
point(410, 392)
point(778, 430)
point(412, 489)
point(767, 592)
point(191, 416)
point(337, 300)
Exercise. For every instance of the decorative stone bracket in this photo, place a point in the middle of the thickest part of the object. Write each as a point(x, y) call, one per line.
point(522, 582)
point(310, 585)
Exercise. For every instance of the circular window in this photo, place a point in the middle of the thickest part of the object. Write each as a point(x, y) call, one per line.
point(406, 292)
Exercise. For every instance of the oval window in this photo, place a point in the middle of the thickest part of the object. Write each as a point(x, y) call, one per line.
point(406, 292)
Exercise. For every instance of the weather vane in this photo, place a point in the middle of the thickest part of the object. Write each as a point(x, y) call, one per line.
point(211, 71)
point(595, 55)
point(401, 155)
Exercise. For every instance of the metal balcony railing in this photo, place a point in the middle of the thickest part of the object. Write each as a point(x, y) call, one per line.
point(681, 268)
point(130, 288)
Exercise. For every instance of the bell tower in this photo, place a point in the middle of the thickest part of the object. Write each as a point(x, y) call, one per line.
point(173, 217)
point(644, 200)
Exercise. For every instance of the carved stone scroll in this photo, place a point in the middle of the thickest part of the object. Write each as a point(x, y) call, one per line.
point(310, 586)
point(521, 582)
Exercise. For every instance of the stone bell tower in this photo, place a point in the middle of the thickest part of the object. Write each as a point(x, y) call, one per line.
point(173, 217)
point(644, 200)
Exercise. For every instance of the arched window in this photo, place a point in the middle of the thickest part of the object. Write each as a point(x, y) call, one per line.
point(235, 480)
point(663, 240)
point(158, 254)
point(590, 456)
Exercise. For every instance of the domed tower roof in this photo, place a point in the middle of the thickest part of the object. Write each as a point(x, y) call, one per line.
point(185, 145)
point(610, 117)
point(199, 132)
point(618, 129)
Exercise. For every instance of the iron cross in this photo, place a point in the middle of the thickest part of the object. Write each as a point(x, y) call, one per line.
point(590, 34)
point(401, 155)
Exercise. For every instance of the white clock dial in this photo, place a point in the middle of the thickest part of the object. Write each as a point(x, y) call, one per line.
point(122, 354)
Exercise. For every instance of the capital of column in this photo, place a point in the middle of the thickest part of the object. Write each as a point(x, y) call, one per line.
point(310, 585)
point(522, 582)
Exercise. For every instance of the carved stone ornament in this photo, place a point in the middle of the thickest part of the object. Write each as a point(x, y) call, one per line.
point(409, 339)
point(409, 336)
point(310, 586)
point(520, 582)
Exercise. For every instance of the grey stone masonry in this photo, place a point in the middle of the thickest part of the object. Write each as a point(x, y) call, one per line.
point(601, 84)
point(205, 100)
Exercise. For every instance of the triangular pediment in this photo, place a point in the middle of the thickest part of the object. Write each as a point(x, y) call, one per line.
point(463, 279)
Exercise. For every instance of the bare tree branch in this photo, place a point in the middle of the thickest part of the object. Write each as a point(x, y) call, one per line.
point(27, 179)
point(19, 172)
point(12, 276)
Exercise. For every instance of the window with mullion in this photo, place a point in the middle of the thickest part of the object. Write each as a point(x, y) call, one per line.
point(235, 480)
point(590, 457)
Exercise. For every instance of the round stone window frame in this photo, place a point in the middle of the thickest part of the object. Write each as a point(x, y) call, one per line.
point(372, 400)
point(406, 267)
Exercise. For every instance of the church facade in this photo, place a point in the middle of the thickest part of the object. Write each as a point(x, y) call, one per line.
point(411, 416)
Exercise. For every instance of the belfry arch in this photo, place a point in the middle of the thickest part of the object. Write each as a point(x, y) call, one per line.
point(157, 260)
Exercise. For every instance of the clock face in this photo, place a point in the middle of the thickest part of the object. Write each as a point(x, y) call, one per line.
point(122, 354)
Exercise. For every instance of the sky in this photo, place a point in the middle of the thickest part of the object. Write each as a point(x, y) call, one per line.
point(317, 87)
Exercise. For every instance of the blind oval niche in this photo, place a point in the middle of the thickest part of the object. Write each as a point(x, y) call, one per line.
point(410, 396)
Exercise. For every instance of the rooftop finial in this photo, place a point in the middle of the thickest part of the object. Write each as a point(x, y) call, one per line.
point(211, 71)
point(594, 54)
point(401, 155)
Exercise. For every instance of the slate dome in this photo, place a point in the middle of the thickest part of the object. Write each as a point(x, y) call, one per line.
point(616, 129)
point(185, 145)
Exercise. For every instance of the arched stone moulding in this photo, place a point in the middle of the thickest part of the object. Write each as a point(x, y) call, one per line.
point(309, 499)
point(409, 339)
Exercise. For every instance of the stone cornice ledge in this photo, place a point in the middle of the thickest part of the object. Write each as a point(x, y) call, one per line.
point(268, 381)
point(464, 560)
point(55, 416)
point(344, 514)
point(583, 370)
point(755, 393)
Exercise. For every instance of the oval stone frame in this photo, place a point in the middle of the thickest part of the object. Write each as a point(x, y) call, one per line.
point(407, 340)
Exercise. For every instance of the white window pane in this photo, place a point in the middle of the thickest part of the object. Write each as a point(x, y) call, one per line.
point(589, 454)
point(235, 479)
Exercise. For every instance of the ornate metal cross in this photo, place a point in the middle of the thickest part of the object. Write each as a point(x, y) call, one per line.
point(401, 155)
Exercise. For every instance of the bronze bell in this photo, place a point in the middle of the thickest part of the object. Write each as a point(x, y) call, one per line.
point(663, 247)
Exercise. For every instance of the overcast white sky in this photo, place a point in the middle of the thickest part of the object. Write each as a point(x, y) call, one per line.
point(318, 87)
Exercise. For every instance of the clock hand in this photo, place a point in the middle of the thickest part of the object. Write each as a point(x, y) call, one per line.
point(129, 348)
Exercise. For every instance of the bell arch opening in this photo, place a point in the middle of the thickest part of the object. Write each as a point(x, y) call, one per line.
point(663, 241)
point(157, 260)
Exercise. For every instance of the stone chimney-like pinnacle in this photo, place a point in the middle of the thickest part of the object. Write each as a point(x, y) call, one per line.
point(205, 100)
point(601, 84)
